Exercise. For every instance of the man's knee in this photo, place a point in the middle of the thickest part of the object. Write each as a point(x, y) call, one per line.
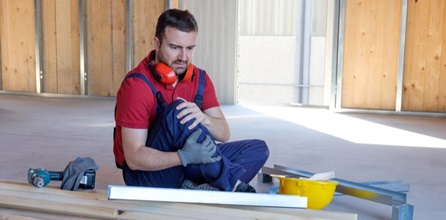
point(172, 108)
point(262, 148)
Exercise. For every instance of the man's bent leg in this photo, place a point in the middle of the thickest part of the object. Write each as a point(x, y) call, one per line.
point(166, 135)
point(250, 154)
point(241, 161)
point(169, 135)
point(167, 178)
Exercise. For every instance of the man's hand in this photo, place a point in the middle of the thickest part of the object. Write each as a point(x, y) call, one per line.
point(198, 153)
point(190, 110)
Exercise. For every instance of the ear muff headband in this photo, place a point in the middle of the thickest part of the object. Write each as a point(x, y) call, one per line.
point(166, 75)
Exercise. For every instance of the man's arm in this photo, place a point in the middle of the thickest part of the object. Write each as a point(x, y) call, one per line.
point(213, 119)
point(140, 157)
point(216, 123)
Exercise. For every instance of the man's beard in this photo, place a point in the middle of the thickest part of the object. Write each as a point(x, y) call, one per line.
point(178, 71)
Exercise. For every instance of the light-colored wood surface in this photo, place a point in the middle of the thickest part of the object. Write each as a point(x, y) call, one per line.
point(105, 24)
point(99, 47)
point(106, 40)
point(17, 36)
point(49, 55)
point(60, 46)
point(370, 60)
point(93, 204)
point(145, 17)
point(118, 44)
point(425, 60)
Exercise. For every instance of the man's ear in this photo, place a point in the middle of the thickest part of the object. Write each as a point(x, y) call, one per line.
point(156, 43)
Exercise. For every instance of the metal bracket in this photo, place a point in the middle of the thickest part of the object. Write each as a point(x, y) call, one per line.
point(397, 199)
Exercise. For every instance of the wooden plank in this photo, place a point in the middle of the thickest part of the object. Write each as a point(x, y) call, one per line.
point(408, 52)
point(99, 47)
point(442, 80)
point(11, 64)
point(92, 205)
point(95, 205)
point(413, 76)
point(389, 47)
point(65, 67)
point(424, 68)
point(118, 43)
point(27, 48)
point(17, 214)
point(49, 53)
point(433, 55)
point(370, 63)
point(174, 3)
point(60, 54)
point(350, 43)
point(373, 47)
point(18, 41)
point(17, 217)
point(27, 36)
point(146, 15)
point(75, 46)
point(303, 212)
point(14, 41)
point(3, 41)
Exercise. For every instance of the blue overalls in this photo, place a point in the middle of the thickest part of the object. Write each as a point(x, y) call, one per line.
point(241, 160)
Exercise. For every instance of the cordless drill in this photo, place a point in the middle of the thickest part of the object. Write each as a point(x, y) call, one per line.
point(40, 178)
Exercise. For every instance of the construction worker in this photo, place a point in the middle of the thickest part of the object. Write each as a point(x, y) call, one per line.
point(170, 130)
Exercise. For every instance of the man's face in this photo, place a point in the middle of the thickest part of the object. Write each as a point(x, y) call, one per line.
point(176, 49)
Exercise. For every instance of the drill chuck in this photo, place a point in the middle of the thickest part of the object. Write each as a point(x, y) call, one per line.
point(38, 177)
point(38, 181)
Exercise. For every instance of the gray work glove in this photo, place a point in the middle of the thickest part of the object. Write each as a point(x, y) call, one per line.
point(75, 170)
point(198, 153)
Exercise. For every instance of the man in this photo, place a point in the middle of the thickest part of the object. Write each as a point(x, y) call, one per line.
point(162, 137)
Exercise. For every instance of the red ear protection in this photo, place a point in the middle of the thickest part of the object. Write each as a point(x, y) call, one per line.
point(166, 75)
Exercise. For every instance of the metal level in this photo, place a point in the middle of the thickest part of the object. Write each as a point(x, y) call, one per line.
point(205, 197)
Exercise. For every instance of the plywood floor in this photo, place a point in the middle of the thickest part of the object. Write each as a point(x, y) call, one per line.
point(49, 132)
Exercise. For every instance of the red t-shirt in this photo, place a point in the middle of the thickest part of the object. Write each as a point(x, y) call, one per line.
point(136, 103)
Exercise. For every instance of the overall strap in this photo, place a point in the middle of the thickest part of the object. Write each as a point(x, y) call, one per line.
point(159, 99)
point(160, 102)
point(198, 99)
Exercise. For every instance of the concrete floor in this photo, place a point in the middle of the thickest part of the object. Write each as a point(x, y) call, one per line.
point(49, 132)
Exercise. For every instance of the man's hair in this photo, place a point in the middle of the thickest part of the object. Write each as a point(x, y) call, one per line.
point(175, 18)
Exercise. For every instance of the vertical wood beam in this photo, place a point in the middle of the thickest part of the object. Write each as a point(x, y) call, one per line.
point(118, 43)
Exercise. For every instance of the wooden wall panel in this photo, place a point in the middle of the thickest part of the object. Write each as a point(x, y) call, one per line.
point(118, 43)
point(18, 45)
point(99, 47)
point(425, 57)
point(49, 49)
point(106, 40)
point(370, 64)
point(105, 58)
point(145, 17)
point(60, 46)
point(1, 66)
